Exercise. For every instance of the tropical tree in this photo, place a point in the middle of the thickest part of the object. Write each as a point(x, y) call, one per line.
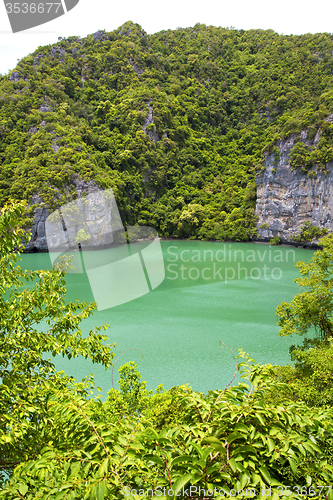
point(311, 311)
point(35, 322)
point(313, 307)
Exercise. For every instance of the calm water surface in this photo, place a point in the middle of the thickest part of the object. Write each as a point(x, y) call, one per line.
point(211, 292)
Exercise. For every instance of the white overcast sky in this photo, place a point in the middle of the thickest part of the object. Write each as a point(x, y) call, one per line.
point(283, 16)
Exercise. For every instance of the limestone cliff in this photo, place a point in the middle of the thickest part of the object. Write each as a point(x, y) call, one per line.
point(38, 241)
point(287, 198)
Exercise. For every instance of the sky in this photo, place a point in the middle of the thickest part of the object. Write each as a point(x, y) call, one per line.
point(283, 16)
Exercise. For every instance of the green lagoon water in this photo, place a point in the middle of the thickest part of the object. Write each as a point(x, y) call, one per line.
point(211, 292)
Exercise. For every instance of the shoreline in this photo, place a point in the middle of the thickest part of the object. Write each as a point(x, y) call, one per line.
point(305, 245)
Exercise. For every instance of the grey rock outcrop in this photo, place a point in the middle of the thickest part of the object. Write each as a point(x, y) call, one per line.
point(150, 121)
point(45, 108)
point(15, 77)
point(100, 35)
point(54, 144)
point(38, 58)
point(38, 240)
point(125, 33)
point(287, 198)
point(136, 68)
point(56, 49)
point(88, 223)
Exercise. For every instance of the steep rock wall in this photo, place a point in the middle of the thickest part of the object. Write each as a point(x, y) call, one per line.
point(287, 198)
point(38, 241)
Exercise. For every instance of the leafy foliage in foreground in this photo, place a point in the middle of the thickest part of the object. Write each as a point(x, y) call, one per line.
point(310, 312)
point(310, 380)
point(219, 98)
point(225, 440)
point(34, 321)
point(58, 442)
point(313, 307)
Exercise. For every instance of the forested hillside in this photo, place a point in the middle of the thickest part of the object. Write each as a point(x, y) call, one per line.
point(176, 122)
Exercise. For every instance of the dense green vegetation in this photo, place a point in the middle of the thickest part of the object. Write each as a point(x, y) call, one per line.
point(57, 441)
point(311, 311)
point(219, 99)
point(308, 232)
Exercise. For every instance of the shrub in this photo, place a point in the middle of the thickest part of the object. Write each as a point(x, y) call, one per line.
point(275, 241)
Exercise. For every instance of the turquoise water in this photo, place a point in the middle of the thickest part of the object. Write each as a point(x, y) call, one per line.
point(211, 292)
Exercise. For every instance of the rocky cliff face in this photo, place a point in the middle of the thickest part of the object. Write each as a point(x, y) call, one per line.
point(38, 241)
point(287, 198)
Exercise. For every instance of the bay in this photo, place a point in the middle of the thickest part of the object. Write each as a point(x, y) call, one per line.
point(211, 292)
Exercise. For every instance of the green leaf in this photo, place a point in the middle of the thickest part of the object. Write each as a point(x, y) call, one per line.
point(292, 465)
point(154, 458)
point(271, 444)
point(221, 449)
point(265, 474)
point(314, 446)
point(260, 418)
point(93, 493)
point(102, 490)
point(233, 464)
point(244, 479)
point(181, 459)
point(233, 436)
point(224, 475)
point(244, 449)
point(181, 481)
point(241, 427)
point(23, 488)
point(136, 446)
point(122, 440)
point(119, 450)
point(75, 469)
point(60, 495)
point(104, 467)
point(210, 440)
point(198, 449)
